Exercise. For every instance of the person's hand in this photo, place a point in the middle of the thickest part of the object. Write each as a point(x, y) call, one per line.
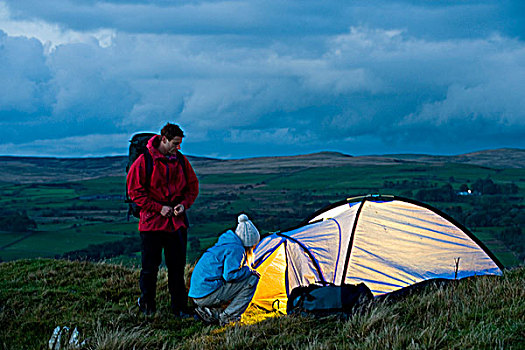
point(166, 211)
point(179, 209)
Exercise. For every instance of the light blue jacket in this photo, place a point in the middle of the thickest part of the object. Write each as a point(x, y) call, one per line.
point(224, 262)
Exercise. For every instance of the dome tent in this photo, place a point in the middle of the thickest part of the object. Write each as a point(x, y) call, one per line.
point(386, 242)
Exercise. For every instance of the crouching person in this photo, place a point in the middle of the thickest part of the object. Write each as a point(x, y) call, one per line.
point(223, 275)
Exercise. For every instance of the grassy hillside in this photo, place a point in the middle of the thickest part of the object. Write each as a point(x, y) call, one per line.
point(99, 299)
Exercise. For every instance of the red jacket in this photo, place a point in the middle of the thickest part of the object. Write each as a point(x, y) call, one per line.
point(168, 186)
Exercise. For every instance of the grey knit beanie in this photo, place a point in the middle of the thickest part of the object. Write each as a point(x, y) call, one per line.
point(247, 231)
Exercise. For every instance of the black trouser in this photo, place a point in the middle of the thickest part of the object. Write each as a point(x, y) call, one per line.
point(174, 245)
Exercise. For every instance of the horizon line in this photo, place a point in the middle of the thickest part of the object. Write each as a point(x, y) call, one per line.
point(271, 156)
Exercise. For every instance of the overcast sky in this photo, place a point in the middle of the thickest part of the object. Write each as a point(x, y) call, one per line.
point(254, 78)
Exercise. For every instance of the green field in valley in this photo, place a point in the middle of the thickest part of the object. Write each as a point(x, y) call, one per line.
point(71, 216)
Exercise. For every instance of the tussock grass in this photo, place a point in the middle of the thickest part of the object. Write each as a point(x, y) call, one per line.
point(100, 299)
point(124, 339)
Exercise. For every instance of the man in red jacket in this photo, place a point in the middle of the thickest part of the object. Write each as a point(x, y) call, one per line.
point(164, 199)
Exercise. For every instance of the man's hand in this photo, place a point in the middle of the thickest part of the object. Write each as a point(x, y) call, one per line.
point(179, 209)
point(166, 211)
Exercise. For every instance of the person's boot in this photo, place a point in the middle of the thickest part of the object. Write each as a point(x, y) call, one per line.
point(146, 308)
point(182, 314)
point(207, 315)
point(225, 319)
point(179, 308)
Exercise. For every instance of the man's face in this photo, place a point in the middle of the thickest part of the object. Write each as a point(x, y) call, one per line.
point(172, 146)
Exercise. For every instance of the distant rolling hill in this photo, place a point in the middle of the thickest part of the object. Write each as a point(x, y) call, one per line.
point(44, 170)
point(496, 158)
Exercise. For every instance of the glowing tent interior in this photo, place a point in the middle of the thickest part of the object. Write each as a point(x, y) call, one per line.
point(386, 242)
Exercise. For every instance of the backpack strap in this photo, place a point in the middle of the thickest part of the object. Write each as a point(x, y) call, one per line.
point(148, 161)
point(182, 161)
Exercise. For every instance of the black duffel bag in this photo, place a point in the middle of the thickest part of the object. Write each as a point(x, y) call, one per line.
point(325, 300)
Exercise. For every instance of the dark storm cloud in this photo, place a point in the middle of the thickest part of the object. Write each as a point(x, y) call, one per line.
point(24, 74)
point(72, 92)
point(437, 19)
point(253, 78)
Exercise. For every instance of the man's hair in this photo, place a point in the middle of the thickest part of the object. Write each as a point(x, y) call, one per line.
point(171, 130)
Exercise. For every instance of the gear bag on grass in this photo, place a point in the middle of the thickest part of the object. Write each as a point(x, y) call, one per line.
point(324, 300)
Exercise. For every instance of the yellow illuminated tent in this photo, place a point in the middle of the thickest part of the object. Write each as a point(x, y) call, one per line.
point(386, 242)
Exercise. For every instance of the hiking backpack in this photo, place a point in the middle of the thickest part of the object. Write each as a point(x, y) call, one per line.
point(137, 146)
